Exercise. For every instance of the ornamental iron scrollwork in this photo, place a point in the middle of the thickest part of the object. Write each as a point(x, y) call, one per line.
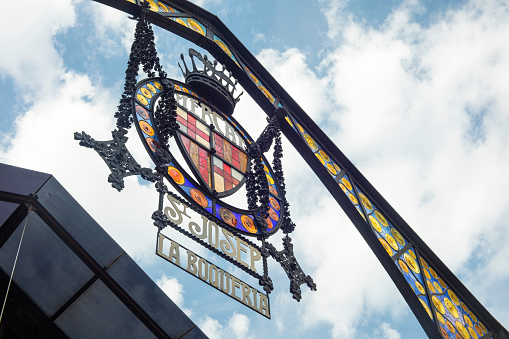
point(159, 109)
point(117, 157)
point(287, 259)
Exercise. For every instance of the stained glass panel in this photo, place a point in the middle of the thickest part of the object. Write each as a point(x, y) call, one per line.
point(200, 158)
point(380, 224)
point(225, 49)
point(331, 166)
point(192, 127)
point(260, 86)
point(223, 170)
point(230, 153)
point(193, 24)
point(158, 6)
point(225, 177)
point(408, 266)
point(452, 313)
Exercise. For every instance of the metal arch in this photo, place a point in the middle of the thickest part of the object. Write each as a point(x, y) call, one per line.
point(296, 113)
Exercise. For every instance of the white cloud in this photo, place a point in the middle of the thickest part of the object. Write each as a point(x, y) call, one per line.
point(174, 290)
point(61, 102)
point(237, 327)
point(211, 327)
point(28, 55)
point(422, 111)
point(239, 324)
point(388, 332)
point(259, 37)
point(336, 15)
point(113, 33)
point(42, 139)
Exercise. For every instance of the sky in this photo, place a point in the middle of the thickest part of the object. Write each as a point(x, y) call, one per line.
point(413, 92)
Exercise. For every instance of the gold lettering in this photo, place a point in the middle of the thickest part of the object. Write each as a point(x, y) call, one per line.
point(160, 239)
point(194, 226)
point(227, 247)
point(174, 253)
point(216, 277)
point(213, 232)
point(191, 262)
point(224, 276)
point(213, 273)
point(246, 291)
point(254, 299)
point(255, 256)
point(203, 269)
point(264, 305)
point(241, 249)
point(235, 284)
point(175, 215)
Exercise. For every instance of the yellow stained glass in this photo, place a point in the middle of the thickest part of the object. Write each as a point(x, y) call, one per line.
point(440, 318)
point(411, 263)
point(438, 304)
point(462, 330)
point(142, 99)
point(365, 201)
point(375, 224)
point(437, 287)
point(319, 157)
point(426, 308)
point(386, 246)
point(381, 218)
point(331, 169)
point(398, 237)
point(420, 287)
point(391, 241)
point(346, 183)
point(452, 309)
point(403, 266)
point(431, 288)
point(352, 198)
point(324, 155)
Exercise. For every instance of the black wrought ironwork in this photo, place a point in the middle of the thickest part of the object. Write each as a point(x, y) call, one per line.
point(165, 115)
point(114, 152)
point(292, 268)
point(265, 90)
point(117, 157)
point(256, 191)
point(212, 82)
point(161, 222)
point(143, 53)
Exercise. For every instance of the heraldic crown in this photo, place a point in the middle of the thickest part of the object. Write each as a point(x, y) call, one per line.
point(217, 86)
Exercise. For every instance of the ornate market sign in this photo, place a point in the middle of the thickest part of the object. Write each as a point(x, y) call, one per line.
point(204, 155)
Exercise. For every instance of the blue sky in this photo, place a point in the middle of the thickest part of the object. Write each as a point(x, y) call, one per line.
point(413, 92)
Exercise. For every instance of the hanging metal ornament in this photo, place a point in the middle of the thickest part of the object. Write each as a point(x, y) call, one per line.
point(218, 152)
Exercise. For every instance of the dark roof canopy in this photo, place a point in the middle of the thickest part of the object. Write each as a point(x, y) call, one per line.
point(72, 279)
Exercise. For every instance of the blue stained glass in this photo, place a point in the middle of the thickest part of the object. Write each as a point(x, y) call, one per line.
point(452, 313)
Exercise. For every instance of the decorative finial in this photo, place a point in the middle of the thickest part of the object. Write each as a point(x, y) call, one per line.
point(215, 84)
